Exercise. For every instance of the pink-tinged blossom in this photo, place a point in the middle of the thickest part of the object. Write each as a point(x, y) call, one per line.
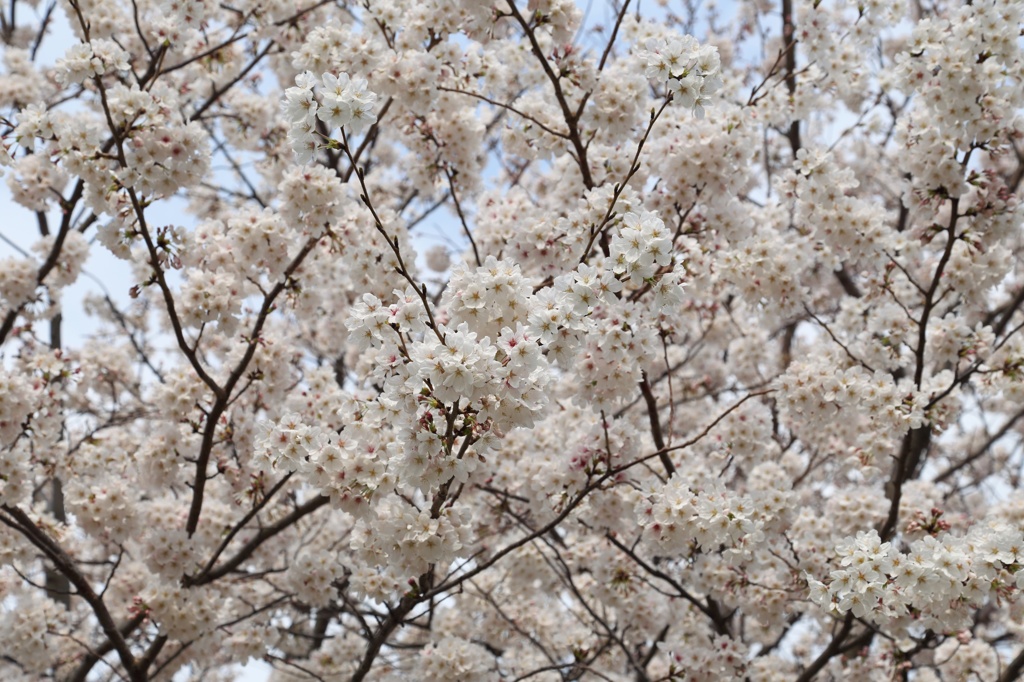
point(497, 340)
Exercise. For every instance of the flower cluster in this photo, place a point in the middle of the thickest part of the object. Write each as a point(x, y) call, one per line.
point(678, 516)
point(346, 103)
point(452, 658)
point(86, 60)
point(701, 659)
point(690, 70)
point(935, 585)
point(520, 372)
point(211, 297)
point(641, 246)
point(874, 407)
point(489, 298)
point(35, 182)
point(407, 541)
point(347, 467)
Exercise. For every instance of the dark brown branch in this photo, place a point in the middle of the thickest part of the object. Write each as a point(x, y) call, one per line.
point(1005, 313)
point(462, 216)
point(224, 395)
point(789, 40)
point(81, 673)
point(571, 119)
point(264, 534)
point(849, 286)
point(509, 107)
point(1014, 670)
point(830, 651)
point(981, 451)
point(916, 442)
point(611, 39)
point(656, 433)
point(719, 620)
point(52, 258)
point(219, 92)
point(240, 525)
point(19, 521)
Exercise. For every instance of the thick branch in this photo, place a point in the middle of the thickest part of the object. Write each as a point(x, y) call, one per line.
point(21, 522)
point(571, 119)
point(656, 434)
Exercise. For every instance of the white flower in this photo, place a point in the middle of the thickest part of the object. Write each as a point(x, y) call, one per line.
point(347, 102)
point(686, 89)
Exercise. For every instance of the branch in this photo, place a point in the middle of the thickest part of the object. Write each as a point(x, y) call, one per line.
point(720, 622)
point(788, 33)
point(81, 673)
point(1014, 670)
point(830, 651)
point(20, 521)
point(209, 574)
point(916, 442)
point(462, 216)
point(224, 395)
point(509, 107)
point(240, 525)
point(571, 119)
point(656, 434)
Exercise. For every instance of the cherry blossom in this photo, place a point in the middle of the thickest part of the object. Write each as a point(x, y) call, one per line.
point(509, 340)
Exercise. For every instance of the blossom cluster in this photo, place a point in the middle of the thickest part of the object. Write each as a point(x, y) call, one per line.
point(344, 103)
point(936, 584)
point(688, 69)
point(469, 356)
point(641, 246)
point(86, 60)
